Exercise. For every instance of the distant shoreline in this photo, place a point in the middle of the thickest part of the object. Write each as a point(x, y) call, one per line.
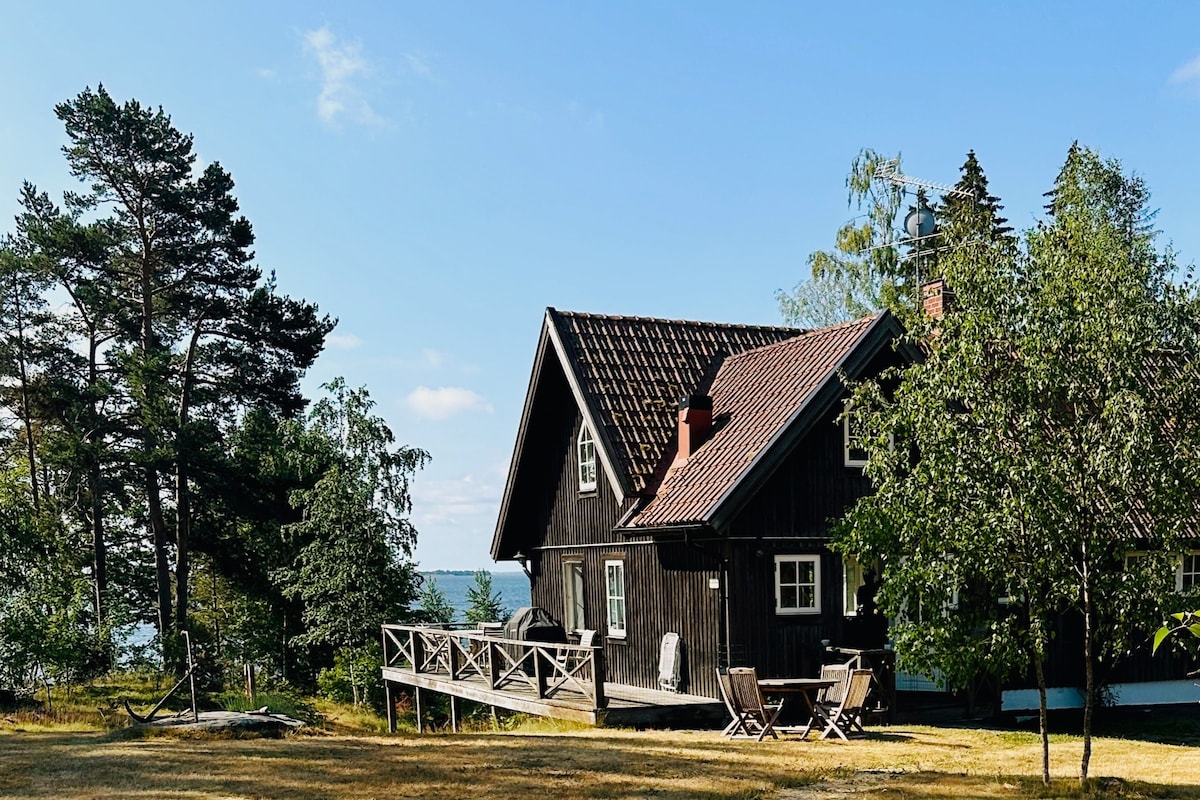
point(468, 572)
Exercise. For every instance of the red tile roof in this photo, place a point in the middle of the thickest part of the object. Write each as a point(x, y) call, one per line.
point(633, 371)
point(760, 392)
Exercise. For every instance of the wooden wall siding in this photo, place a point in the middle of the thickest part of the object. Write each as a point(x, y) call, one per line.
point(791, 516)
point(1065, 666)
point(542, 457)
point(780, 645)
point(666, 589)
point(811, 487)
point(571, 517)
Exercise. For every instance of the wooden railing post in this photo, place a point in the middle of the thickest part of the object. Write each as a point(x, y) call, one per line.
point(493, 659)
point(391, 706)
point(416, 648)
point(598, 677)
point(539, 677)
point(452, 657)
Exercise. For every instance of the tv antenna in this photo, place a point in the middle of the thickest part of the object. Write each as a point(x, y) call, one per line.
point(919, 224)
point(890, 171)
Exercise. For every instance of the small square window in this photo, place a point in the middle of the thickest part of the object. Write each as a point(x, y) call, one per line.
point(798, 584)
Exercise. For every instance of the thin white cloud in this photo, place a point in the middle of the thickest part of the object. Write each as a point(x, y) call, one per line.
point(590, 118)
point(445, 402)
point(433, 358)
point(419, 64)
point(1188, 73)
point(456, 502)
point(343, 71)
point(342, 341)
point(267, 74)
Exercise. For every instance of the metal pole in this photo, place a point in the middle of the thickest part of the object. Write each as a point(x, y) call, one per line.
point(191, 676)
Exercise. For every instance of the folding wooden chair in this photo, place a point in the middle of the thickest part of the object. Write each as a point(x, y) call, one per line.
point(756, 714)
point(834, 672)
point(845, 718)
point(737, 723)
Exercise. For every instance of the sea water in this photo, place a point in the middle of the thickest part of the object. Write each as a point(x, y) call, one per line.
point(512, 588)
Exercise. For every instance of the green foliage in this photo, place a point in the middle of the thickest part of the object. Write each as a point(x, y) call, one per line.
point(1048, 432)
point(863, 271)
point(486, 604)
point(873, 264)
point(434, 607)
point(279, 699)
point(355, 677)
point(151, 373)
point(1188, 621)
point(353, 570)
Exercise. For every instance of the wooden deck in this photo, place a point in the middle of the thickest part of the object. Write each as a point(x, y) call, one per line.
point(549, 680)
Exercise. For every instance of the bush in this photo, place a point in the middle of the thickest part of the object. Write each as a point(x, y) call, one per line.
point(279, 699)
point(355, 677)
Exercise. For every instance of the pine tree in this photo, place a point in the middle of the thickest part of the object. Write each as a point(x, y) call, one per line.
point(976, 216)
point(486, 604)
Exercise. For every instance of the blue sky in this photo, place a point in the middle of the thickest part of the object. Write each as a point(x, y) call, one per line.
point(435, 174)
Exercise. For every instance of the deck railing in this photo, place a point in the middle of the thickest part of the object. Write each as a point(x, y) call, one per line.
point(548, 670)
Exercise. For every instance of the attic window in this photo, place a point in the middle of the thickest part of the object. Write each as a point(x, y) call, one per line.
point(854, 438)
point(587, 460)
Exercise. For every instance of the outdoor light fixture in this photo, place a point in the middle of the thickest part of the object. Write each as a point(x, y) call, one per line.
point(523, 560)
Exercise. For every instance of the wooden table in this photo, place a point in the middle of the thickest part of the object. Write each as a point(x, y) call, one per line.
point(805, 687)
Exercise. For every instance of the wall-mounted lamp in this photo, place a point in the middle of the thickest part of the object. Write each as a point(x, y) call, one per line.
point(523, 560)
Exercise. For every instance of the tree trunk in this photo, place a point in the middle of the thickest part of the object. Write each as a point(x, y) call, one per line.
point(1089, 692)
point(182, 551)
point(162, 565)
point(23, 377)
point(1043, 716)
point(92, 440)
point(99, 546)
point(183, 504)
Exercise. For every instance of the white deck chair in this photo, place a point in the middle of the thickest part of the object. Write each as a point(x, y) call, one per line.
point(669, 663)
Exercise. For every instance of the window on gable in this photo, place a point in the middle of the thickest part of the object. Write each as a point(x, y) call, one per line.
point(798, 584)
point(587, 459)
point(614, 573)
point(854, 439)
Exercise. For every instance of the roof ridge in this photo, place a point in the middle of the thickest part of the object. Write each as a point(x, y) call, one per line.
point(688, 322)
point(808, 334)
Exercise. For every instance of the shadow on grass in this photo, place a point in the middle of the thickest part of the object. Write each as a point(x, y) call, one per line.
point(598, 765)
point(1178, 725)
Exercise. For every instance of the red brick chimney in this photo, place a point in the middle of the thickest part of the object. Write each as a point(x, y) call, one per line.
point(937, 298)
point(695, 422)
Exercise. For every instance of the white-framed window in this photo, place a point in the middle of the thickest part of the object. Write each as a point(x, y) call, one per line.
point(1187, 571)
point(854, 438)
point(614, 580)
point(587, 459)
point(852, 578)
point(573, 617)
point(798, 584)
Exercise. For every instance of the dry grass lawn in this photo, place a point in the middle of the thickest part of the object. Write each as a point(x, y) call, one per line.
point(538, 763)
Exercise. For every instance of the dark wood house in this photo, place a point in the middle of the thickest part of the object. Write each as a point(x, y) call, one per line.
point(679, 477)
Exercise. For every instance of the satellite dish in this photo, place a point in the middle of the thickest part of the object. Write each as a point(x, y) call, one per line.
point(919, 223)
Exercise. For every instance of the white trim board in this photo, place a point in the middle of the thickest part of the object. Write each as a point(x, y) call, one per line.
point(1148, 693)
